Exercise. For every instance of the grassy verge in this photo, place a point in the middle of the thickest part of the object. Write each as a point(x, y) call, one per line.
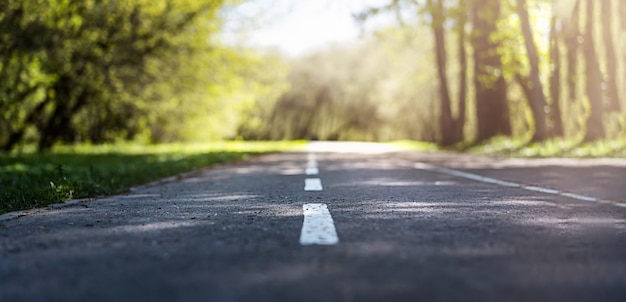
point(552, 148)
point(415, 145)
point(515, 147)
point(29, 180)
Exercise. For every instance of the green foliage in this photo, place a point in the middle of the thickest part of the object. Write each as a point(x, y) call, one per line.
point(111, 70)
point(31, 180)
point(101, 71)
point(416, 145)
point(362, 91)
point(512, 147)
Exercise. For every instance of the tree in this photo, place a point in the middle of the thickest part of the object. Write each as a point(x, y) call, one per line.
point(62, 58)
point(536, 97)
point(622, 23)
point(556, 130)
point(459, 122)
point(612, 95)
point(572, 38)
point(361, 91)
point(492, 110)
point(622, 18)
point(594, 126)
point(450, 127)
point(446, 122)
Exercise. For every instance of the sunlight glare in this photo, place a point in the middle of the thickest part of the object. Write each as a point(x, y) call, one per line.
point(312, 24)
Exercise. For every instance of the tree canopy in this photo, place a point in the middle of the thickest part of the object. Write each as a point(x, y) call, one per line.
point(450, 71)
point(104, 70)
point(468, 71)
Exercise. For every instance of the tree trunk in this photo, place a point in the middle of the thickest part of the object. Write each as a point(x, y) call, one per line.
point(556, 130)
point(16, 136)
point(445, 112)
point(537, 99)
point(459, 122)
point(622, 19)
point(492, 112)
point(59, 123)
point(572, 43)
point(595, 128)
point(612, 95)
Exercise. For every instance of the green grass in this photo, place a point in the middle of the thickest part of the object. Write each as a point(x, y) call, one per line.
point(571, 148)
point(30, 180)
point(520, 148)
point(416, 145)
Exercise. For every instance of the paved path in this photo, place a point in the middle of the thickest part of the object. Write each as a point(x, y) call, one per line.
point(375, 225)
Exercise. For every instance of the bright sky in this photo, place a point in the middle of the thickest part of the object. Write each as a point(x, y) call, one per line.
point(298, 26)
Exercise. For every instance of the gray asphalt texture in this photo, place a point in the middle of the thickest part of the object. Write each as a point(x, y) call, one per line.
point(231, 234)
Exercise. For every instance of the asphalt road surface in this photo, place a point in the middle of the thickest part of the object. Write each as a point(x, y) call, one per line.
point(364, 224)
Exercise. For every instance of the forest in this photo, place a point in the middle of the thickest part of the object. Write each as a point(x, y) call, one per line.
point(454, 72)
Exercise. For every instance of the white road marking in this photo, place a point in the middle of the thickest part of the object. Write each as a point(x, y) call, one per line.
point(579, 197)
point(507, 184)
point(542, 190)
point(318, 226)
point(313, 184)
point(311, 165)
point(489, 180)
point(312, 171)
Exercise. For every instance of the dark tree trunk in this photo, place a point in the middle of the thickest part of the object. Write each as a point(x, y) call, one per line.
point(59, 123)
point(594, 126)
point(612, 95)
point(16, 136)
point(572, 42)
point(556, 129)
point(459, 122)
point(622, 19)
point(446, 123)
point(537, 99)
point(492, 112)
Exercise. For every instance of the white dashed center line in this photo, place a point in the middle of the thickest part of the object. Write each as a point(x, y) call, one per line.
point(311, 166)
point(311, 171)
point(313, 184)
point(318, 226)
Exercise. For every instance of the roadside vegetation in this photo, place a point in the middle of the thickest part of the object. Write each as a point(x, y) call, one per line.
point(519, 148)
point(451, 72)
point(98, 96)
point(31, 179)
point(570, 148)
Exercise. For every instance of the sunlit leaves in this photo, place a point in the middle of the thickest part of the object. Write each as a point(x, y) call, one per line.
point(101, 70)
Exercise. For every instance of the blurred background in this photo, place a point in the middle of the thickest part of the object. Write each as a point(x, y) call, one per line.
point(452, 72)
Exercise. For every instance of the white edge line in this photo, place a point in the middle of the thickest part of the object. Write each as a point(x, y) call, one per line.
point(580, 197)
point(508, 184)
point(541, 190)
point(489, 180)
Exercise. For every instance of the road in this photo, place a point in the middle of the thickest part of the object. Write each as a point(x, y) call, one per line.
point(376, 225)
